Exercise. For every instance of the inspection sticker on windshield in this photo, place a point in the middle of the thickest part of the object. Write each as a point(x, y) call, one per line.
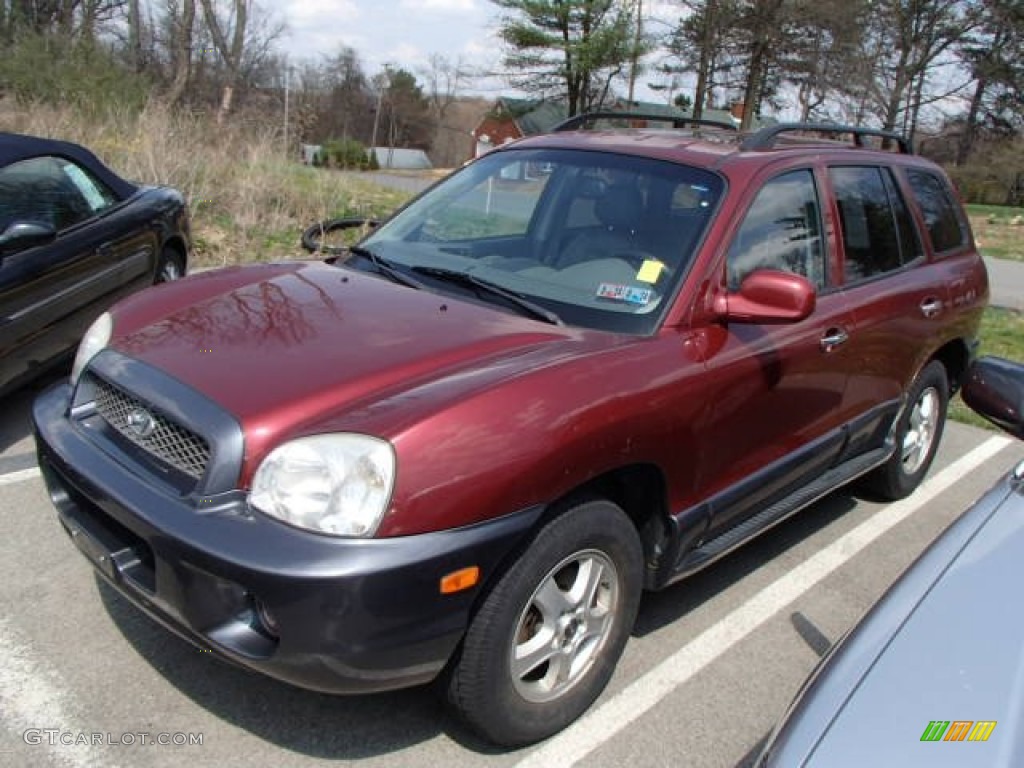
point(626, 293)
point(650, 271)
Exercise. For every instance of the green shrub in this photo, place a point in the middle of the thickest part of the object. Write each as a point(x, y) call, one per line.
point(58, 70)
point(346, 153)
point(994, 175)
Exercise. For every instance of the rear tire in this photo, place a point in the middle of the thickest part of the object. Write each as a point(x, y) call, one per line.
point(917, 436)
point(545, 641)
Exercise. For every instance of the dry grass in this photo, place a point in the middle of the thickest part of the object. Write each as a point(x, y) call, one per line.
point(998, 230)
point(247, 202)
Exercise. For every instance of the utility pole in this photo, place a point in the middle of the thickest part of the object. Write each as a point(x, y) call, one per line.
point(376, 115)
point(287, 87)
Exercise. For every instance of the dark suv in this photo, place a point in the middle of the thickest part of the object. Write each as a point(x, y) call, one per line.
point(587, 364)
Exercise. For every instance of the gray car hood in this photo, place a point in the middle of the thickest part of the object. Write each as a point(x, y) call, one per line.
point(946, 643)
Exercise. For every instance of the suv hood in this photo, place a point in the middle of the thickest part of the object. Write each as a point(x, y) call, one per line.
point(281, 346)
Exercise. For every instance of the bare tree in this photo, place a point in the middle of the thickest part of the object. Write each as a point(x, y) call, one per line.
point(763, 22)
point(182, 33)
point(995, 57)
point(135, 35)
point(232, 51)
point(701, 44)
point(444, 79)
point(912, 38)
point(824, 54)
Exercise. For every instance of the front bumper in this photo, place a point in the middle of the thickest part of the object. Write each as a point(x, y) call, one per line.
point(323, 613)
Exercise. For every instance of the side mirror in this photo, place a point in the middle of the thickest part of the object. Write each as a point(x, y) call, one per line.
point(995, 388)
point(768, 296)
point(25, 234)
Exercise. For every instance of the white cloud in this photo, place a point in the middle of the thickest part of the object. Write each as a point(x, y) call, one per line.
point(321, 13)
point(661, 9)
point(313, 27)
point(405, 55)
point(475, 49)
point(444, 6)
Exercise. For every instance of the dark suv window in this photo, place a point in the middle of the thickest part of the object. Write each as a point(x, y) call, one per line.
point(941, 216)
point(878, 235)
point(782, 230)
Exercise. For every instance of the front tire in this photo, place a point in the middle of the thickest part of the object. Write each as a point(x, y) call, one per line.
point(545, 641)
point(917, 436)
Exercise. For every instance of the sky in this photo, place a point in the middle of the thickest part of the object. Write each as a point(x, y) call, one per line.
point(406, 32)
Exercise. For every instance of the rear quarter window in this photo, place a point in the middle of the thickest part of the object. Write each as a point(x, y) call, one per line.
point(943, 217)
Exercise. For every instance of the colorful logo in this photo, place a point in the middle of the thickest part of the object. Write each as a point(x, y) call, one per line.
point(958, 730)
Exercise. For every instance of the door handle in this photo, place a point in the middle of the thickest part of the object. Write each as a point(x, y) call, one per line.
point(833, 338)
point(931, 306)
point(106, 250)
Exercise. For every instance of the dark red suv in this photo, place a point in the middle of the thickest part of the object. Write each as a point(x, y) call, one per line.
point(587, 364)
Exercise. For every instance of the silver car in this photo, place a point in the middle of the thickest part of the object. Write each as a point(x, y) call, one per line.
point(933, 675)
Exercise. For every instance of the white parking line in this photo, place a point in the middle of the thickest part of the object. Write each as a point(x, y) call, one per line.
point(594, 729)
point(29, 699)
point(20, 476)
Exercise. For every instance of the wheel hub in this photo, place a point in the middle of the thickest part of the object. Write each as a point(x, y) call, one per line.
point(570, 630)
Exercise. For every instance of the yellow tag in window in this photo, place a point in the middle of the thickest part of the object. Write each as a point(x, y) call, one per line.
point(650, 271)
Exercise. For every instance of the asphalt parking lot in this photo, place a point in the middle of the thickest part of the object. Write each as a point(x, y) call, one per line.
point(85, 680)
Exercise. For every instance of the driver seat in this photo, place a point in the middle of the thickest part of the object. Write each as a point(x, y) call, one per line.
point(619, 211)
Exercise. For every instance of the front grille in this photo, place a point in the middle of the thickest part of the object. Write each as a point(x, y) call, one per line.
point(151, 430)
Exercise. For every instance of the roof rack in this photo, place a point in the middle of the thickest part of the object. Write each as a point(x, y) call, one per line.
point(765, 138)
point(678, 121)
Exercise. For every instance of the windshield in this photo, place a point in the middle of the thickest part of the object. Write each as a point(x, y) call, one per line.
point(600, 239)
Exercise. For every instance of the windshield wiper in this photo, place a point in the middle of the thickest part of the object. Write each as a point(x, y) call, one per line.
point(479, 284)
point(385, 267)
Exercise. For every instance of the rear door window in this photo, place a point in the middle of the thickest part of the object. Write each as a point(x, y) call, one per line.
point(942, 216)
point(878, 235)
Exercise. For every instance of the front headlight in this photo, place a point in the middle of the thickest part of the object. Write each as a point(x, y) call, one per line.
point(93, 342)
point(338, 484)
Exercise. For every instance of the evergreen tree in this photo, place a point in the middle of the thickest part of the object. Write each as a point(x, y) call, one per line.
point(568, 50)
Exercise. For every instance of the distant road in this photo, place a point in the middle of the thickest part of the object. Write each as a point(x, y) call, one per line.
point(1006, 279)
point(401, 182)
